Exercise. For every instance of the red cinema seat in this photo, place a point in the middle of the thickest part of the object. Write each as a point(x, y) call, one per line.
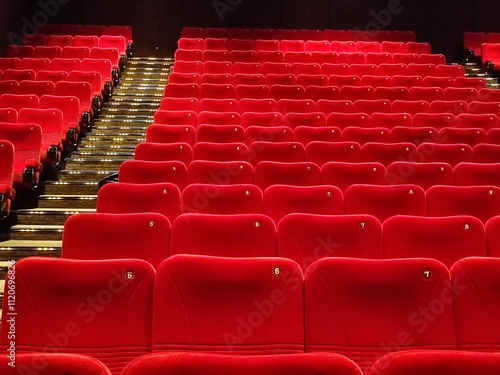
point(248, 79)
point(306, 238)
point(19, 102)
point(190, 43)
point(264, 57)
point(390, 120)
point(307, 80)
point(317, 45)
point(94, 30)
point(220, 133)
point(323, 152)
point(435, 120)
point(55, 364)
point(88, 41)
point(268, 134)
point(276, 68)
point(365, 135)
point(478, 201)
point(442, 82)
point(75, 53)
point(238, 44)
point(37, 88)
point(193, 67)
point(444, 153)
point(312, 119)
point(387, 153)
point(328, 106)
point(345, 174)
point(66, 65)
point(454, 107)
point(318, 93)
point(243, 56)
point(264, 119)
point(220, 173)
point(176, 77)
point(149, 172)
point(176, 118)
point(377, 58)
point(213, 43)
point(81, 90)
point(278, 92)
point(211, 364)
point(213, 58)
point(427, 94)
point(408, 81)
point(170, 134)
point(258, 105)
point(49, 52)
point(452, 71)
point(70, 108)
point(219, 105)
point(343, 120)
point(392, 70)
point(285, 152)
point(292, 57)
point(418, 48)
point(180, 104)
point(220, 151)
point(35, 64)
point(405, 58)
point(461, 93)
point(352, 296)
point(20, 52)
point(60, 40)
point(484, 121)
point(222, 199)
point(375, 81)
point(117, 236)
point(118, 42)
point(252, 92)
point(19, 75)
point(164, 152)
point(351, 58)
point(477, 83)
point(363, 69)
point(7, 193)
point(119, 283)
point(235, 236)
point(27, 142)
point(282, 200)
point(306, 134)
point(424, 175)
point(473, 41)
point(484, 107)
point(51, 121)
point(392, 47)
point(432, 58)
point(486, 153)
point(124, 198)
point(384, 202)
point(447, 239)
point(218, 118)
point(434, 362)
point(217, 91)
point(412, 107)
point(10, 63)
point(354, 93)
point(343, 46)
point(295, 106)
point(372, 106)
point(179, 325)
point(475, 174)
point(469, 136)
point(267, 44)
point(8, 115)
point(330, 69)
point(182, 90)
point(299, 68)
point(475, 283)
point(279, 79)
point(269, 173)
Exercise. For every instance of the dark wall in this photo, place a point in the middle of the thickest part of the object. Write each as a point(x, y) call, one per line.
point(157, 23)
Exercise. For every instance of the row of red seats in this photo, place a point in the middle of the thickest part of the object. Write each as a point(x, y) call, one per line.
point(165, 136)
point(284, 45)
point(341, 305)
point(315, 92)
point(474, 40)
point(7, 192)
point(302, 79)
point(104, 41)
point(295, 34)
point(381, 201)
point(182, 363)
point(76, 29)
point(307, 57)
point(353, 67)
point(320, 152)
point(29, 52)
point(364, 113)
point(150, 236)
point(399, 108)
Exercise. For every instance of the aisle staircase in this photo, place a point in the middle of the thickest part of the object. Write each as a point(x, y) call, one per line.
point(475, 70)
point(121, 126)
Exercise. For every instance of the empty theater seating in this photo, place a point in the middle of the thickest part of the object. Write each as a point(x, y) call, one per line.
point(364, 309)
point(187, 318)
point(114, 236)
